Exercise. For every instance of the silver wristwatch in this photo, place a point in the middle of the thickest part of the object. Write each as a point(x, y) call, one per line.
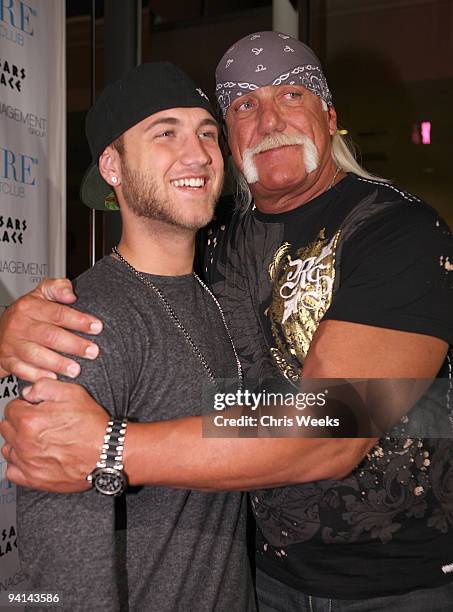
point(108, 477)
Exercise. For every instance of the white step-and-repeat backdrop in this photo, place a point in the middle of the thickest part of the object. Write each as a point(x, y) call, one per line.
point(32, 187)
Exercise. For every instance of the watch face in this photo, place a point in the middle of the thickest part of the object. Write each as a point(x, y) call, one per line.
point(109, 481)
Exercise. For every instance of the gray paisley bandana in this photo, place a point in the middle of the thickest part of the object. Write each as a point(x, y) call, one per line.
point(268, 58)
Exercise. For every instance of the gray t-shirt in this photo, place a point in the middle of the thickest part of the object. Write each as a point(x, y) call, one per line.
point(155, 548)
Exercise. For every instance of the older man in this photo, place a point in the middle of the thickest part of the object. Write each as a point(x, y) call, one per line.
point(331, 274)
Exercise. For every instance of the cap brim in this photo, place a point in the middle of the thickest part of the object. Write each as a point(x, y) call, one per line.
point(95, 192)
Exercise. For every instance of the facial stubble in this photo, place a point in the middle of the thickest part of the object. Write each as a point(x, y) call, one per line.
point(145, 199)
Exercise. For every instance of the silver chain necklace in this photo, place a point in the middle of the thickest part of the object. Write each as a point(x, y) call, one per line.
point(174, 317)
point(334, 177)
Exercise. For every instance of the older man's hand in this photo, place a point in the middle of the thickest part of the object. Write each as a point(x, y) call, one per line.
point(34, 327)
point(54, 444)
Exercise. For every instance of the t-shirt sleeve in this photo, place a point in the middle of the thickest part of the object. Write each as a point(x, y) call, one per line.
point(397, 272)
point(109, 378)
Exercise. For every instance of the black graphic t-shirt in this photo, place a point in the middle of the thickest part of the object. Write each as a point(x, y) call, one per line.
point(387, 528)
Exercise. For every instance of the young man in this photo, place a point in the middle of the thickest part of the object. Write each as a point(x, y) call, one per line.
point(332, 274)
point(155, 142)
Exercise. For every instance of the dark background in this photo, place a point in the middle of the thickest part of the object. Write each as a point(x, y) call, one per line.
point(388, 63)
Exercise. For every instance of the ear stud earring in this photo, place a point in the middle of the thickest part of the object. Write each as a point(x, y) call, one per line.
point(114, 180)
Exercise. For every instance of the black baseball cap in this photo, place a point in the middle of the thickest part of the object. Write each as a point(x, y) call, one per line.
point(141, 92)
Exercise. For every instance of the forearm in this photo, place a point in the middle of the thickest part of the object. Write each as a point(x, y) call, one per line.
point(175, 454)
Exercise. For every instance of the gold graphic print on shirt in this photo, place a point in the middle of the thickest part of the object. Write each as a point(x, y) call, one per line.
point(301, 295)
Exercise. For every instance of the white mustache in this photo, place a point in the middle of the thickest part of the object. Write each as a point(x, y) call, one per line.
point(273, 141)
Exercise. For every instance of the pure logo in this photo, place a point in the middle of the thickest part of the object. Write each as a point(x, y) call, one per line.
point(12, 229)
point(11, 75)
point(18, 15)
point(17, 21)
point(18, 171)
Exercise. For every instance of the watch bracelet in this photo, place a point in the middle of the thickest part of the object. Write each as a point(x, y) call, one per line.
point(113, 445)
